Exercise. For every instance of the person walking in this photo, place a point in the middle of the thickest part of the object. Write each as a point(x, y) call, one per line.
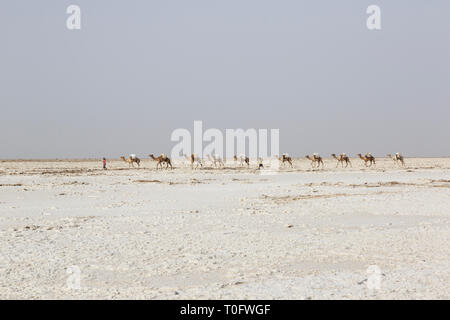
point(104, 163)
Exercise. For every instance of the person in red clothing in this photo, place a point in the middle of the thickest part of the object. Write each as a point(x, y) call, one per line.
point(104, 163)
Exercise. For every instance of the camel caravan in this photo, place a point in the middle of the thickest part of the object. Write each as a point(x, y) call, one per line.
point(215, 161)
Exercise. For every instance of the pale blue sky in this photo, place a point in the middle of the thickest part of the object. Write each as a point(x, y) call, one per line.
point(137, 70)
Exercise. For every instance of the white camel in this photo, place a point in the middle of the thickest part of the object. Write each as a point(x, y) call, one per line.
point(216, 160)
point(242, 160)
point(398, 159)
point(194, 159)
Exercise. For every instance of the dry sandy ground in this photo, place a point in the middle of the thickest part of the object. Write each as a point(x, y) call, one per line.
point(233, 233)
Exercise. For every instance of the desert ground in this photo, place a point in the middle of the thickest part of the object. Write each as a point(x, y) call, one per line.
point(233, 233)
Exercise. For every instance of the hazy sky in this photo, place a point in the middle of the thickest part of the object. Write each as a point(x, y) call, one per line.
point(137, 70)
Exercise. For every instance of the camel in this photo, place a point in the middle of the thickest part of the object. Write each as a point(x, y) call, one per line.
point(131, 160)
point(260, 164)
point(188, 160)
point(315, 159)
point(342, 158)
point(368, 158)
point(215, 159)
point(213, 163)
point(285, 158)
point(398, 157)
point(242, 159)
point(194, 159)
point(162, 159)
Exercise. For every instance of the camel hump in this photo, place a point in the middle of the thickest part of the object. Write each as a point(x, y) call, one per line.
point(164, 155)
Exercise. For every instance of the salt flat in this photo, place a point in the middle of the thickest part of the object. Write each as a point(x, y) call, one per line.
point(233, 233)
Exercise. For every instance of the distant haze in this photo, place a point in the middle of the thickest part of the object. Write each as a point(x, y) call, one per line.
point(137, 70)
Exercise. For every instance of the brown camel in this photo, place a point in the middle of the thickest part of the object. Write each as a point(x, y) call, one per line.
point(342, 158)
point(368, 158)
point(315, 159)
point(162, 159)
point(397, 158)
point(131, 160)
point(285, 158)
point(247, 161)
